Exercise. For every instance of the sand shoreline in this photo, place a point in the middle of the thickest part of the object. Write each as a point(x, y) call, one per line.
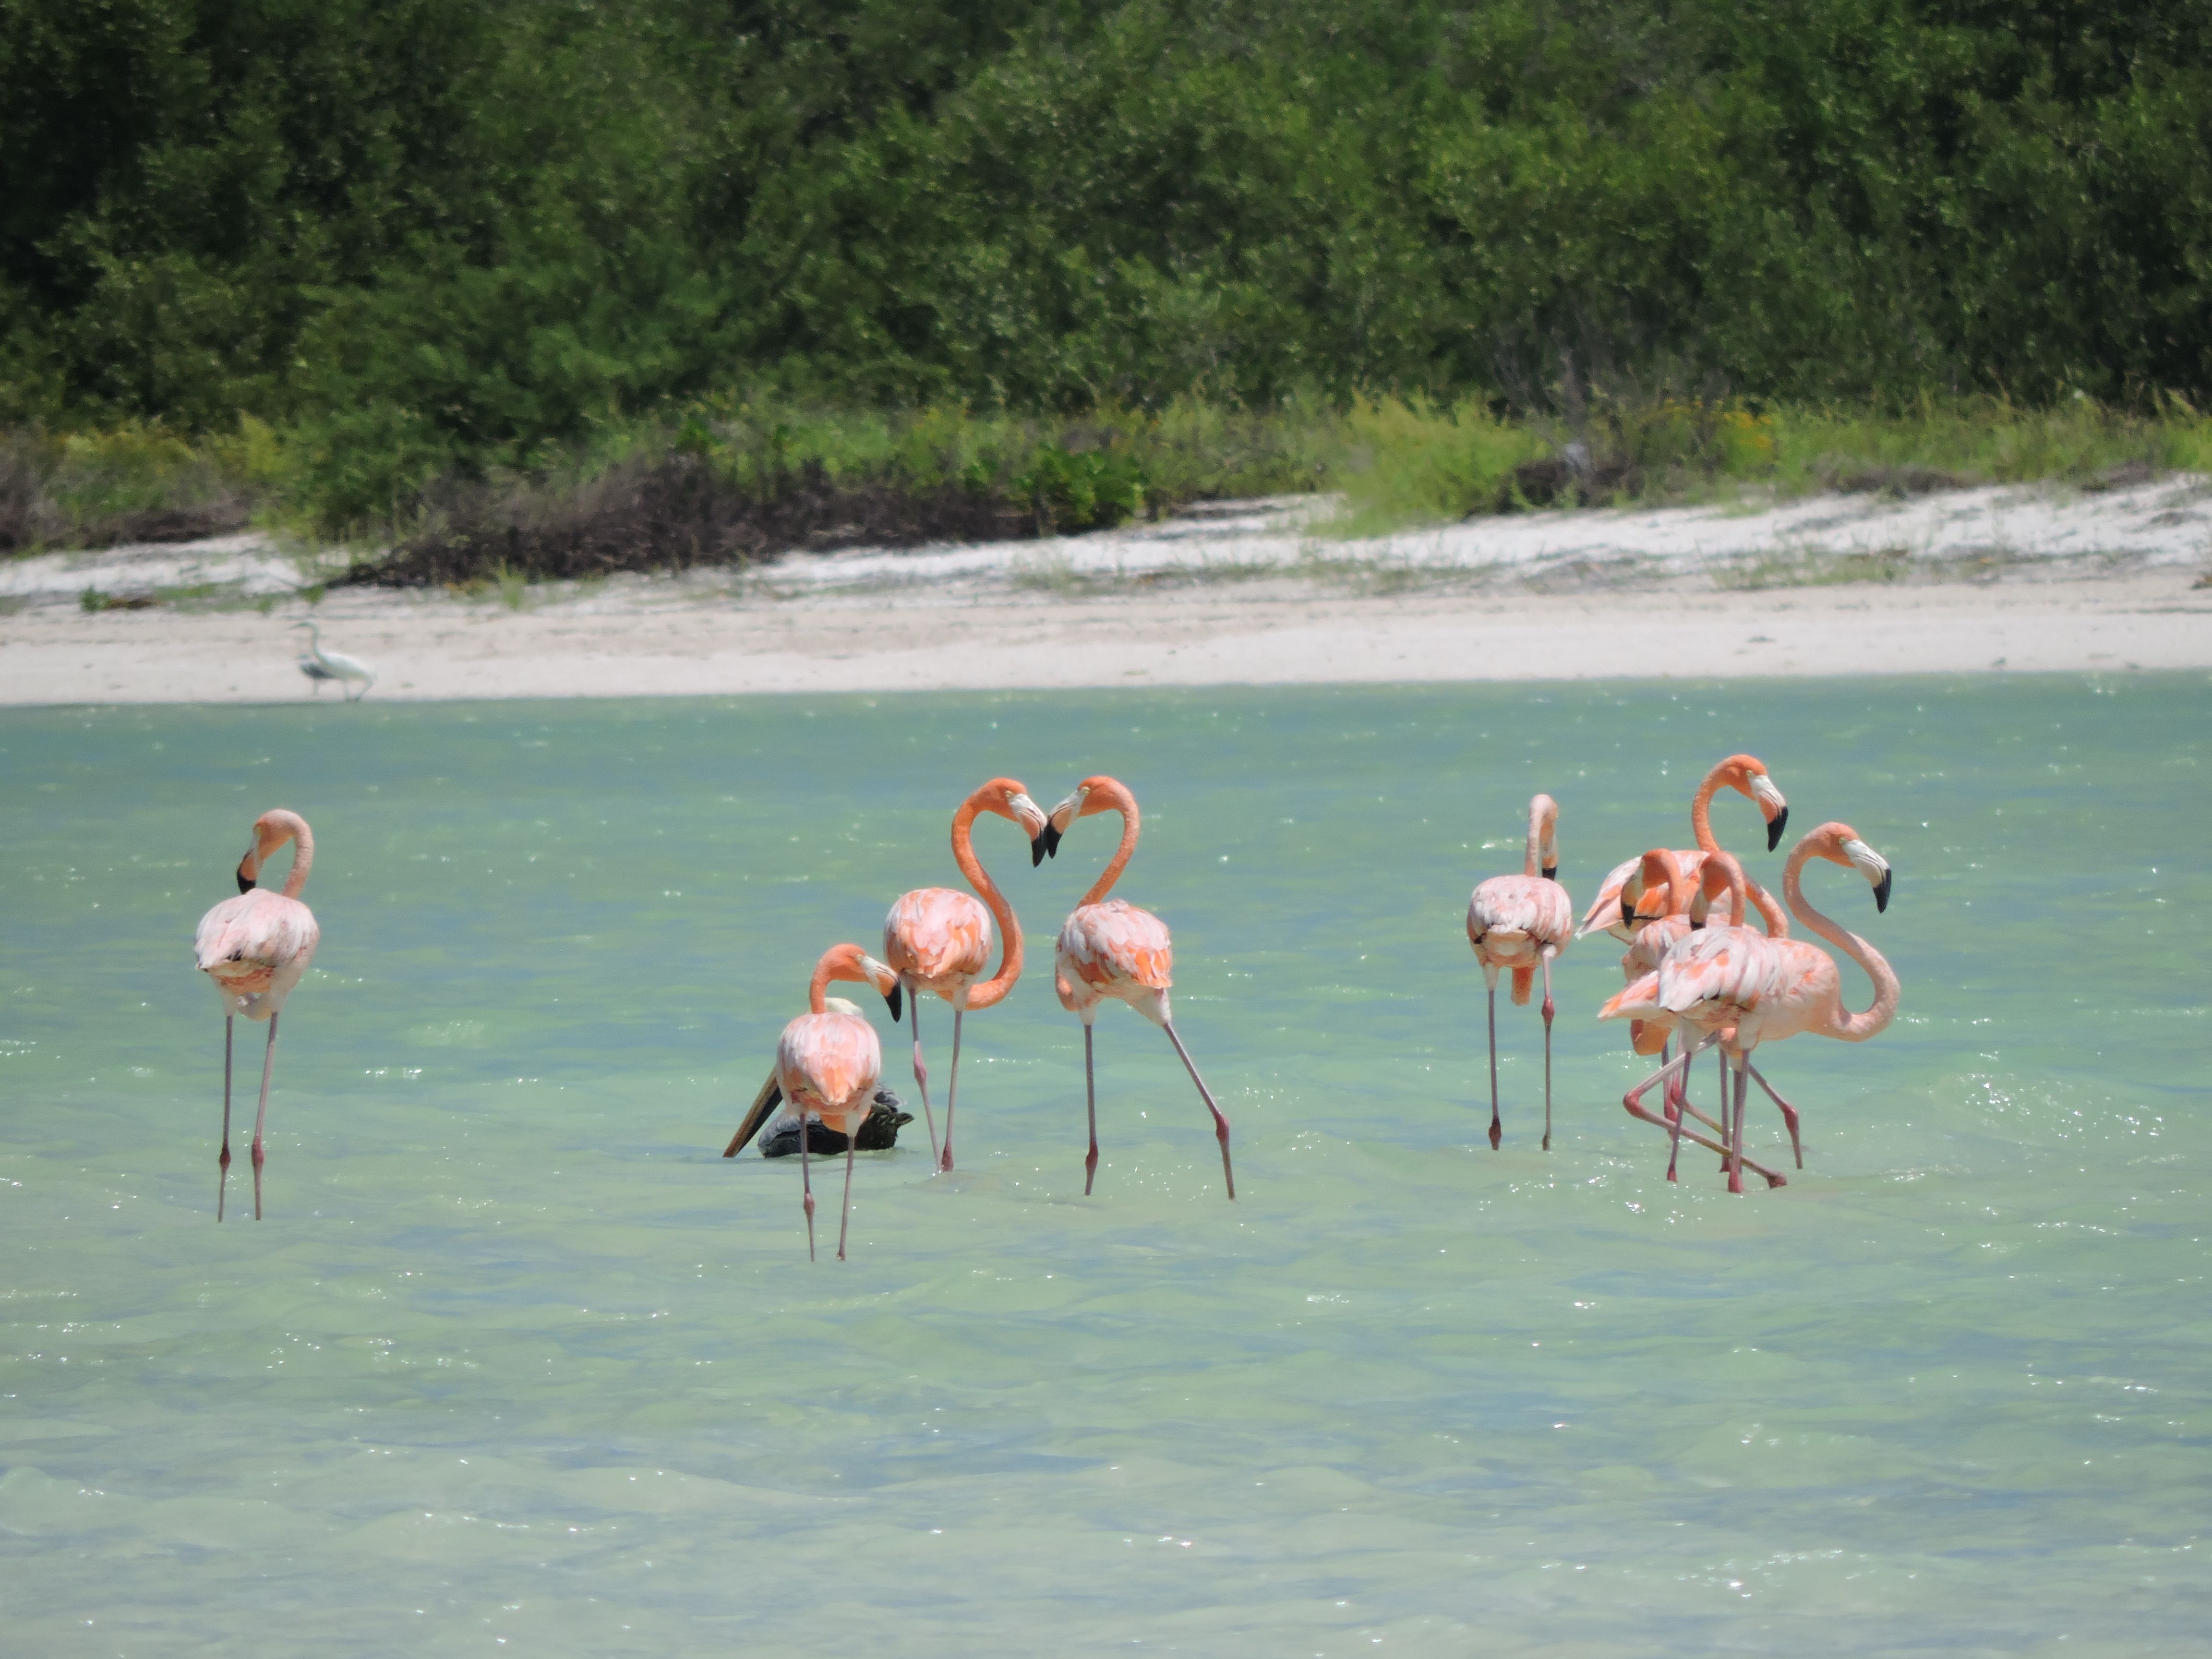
point(1242, 596)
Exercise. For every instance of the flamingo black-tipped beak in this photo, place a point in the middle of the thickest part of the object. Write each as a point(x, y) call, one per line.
point(244, 881)
point(1550, 872)
point(896, 997)
point(1045, 846)
point(1881, 891)
point(1628, 911)
point(1774, 829)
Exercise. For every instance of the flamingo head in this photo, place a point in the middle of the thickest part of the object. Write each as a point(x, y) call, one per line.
point(1649, 895)
point(1746, 775)
point(271, 831)
point(1720, 878)
point(1011, 800)
point(1850, 850)
point(850, 962)
point(1544, 818)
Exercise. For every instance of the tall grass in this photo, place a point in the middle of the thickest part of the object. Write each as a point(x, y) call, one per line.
point(745, 477)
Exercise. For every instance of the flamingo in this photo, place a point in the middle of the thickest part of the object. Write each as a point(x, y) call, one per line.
point(939, 939)
point(255, 947)
point(1747, 774)
point(827, 1062)
point(1661, 924)
point(1519, 922)
point(1109, 948)
point(318, 665)
point(1742, 994)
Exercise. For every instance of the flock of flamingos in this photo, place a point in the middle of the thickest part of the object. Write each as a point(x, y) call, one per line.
point(1697, 975)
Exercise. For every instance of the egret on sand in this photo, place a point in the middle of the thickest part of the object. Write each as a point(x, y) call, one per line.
point(318, 665)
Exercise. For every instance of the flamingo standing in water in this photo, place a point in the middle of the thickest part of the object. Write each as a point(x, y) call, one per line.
point(1743, 989)
point(1110, 948)
point(1521, 922)
point(255, 947)
point(1747, 774)
point(939, 939)
point(827, 1064)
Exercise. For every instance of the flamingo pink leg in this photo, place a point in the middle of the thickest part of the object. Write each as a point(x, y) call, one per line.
point(222, 1159)
point(845, 1215)
point(922, 1072)
point(1789, 1115)
point(806, 1185)
point(1090, 1102)
point(1735, 1131)
point(1547, 1049)
point(952, 1081)
point(1220, 1123)
point(1633, 1100)
point(261, 1117)
point(1497, 1132)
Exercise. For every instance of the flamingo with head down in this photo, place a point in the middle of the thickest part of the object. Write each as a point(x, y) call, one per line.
point(1109, 949)
point(1742, 989)
point(939, 939)
point(827, 1064)
point(256, 947)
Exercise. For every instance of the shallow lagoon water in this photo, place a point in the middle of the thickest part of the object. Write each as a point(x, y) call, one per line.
point(518, 1363)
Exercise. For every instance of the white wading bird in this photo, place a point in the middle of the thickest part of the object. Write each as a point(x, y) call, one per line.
point(318, 665)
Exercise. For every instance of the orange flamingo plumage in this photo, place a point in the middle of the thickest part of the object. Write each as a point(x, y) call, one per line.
point(1742, 994)
point(1521, 922)
point(255, 947)
point(939, 939)
point(1109, 948)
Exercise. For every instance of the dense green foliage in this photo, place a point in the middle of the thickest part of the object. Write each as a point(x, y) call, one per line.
point(426, 242)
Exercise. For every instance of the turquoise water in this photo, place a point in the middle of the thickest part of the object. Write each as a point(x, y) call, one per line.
point(518, 1362)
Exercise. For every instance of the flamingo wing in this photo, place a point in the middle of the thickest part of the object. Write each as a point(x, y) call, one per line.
point(245, 941)
point(936, 934)
point(1117, 944)
point(1604, 913)
point(1717, 967)
point(1529, 906)
point(829, 1064)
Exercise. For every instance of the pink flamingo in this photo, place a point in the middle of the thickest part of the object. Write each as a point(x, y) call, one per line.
point(255, 947)
point(1109, 948)
point(827, 1063)
point(1746, 775)
point(1661, 927)
point(1742, 994)
point(939, 939)
point(1521, 922)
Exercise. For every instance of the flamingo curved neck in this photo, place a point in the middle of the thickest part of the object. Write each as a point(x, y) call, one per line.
point(1701, 825)
point(289, 826)
point(1543, 813)
point(1114, 797)
point(1849, 1027)
point(983, 993)
point(832, 966)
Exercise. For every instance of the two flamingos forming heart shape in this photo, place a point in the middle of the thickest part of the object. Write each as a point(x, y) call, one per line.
point(1709, 984)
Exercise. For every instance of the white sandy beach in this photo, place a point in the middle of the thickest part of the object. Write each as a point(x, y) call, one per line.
point(2009, 581)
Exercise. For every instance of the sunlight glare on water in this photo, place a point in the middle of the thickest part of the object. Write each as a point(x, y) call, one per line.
point(518, 1363)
